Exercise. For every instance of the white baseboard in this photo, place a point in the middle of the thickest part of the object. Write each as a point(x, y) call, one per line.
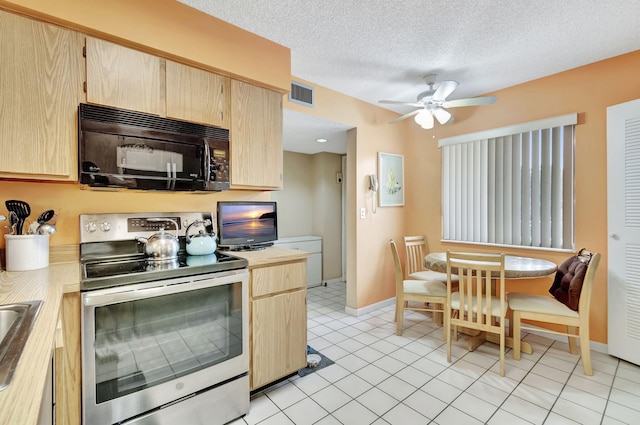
point(595, 346)
point(330, 281)
point(370, 308)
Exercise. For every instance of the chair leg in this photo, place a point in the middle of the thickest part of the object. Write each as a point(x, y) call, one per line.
point(573, 347)
point(516, 334)
point(447, 332)
point(502, 348)
point(585, 350)
point(399, 314)
point(437, 316)
point(455, 328)
point(510, 318)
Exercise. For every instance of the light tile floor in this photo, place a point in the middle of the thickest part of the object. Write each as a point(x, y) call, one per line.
point(380, 378)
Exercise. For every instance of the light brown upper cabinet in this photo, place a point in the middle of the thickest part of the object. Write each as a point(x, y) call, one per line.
point(41, 78)
point(124, 78)
point(256, 137)
point(197, 95)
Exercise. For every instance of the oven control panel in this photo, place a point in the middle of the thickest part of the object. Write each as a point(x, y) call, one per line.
point(152, 224)
point(109, 227)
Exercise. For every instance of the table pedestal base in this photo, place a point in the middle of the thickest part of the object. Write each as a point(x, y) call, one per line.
point(477, 340)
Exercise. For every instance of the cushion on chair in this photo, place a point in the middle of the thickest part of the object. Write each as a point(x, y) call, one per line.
point(539, 304)
point(495, 304)
point(567, 283)
point(430, 275)
point(422, 287)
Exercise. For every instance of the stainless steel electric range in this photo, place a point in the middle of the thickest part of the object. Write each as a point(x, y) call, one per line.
point(163, 342)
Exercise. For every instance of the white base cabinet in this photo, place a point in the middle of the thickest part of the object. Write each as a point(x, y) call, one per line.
point(312, 245)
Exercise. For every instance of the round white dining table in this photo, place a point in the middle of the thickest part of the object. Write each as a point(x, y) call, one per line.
point(515, 267)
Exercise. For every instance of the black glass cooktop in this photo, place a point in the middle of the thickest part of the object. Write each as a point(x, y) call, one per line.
point(108, 273)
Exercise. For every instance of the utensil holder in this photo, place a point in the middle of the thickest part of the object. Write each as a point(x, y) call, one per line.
point(26, 252)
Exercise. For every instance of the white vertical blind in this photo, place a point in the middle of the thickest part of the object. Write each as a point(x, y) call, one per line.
point(511, 189)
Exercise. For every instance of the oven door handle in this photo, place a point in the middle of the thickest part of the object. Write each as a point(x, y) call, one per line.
point(95, 298)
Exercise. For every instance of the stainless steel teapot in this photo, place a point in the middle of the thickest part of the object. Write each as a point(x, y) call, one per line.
point(202, 243)
point(161, 246)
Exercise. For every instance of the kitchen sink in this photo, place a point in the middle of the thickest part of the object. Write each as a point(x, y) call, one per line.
point(16, 321)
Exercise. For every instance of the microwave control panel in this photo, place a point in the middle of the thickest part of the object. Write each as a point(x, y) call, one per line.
point(219, 177)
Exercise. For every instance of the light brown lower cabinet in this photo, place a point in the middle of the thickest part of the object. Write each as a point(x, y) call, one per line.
point(68, 367)
point(278, 311)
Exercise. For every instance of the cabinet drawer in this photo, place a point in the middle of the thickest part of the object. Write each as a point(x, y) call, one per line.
point(278, 278)
point(306, 246)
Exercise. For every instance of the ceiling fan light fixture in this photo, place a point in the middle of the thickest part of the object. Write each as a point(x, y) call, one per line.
point(442, 116)
point(424, 119)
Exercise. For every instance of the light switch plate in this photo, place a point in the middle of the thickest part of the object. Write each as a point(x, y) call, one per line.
point(363, 213)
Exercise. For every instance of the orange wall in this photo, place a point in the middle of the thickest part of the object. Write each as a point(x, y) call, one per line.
point(587, 90)
point(173, 30)
point(370, 277)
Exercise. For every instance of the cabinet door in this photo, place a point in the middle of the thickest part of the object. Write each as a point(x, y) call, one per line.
point(197, 95)
point(122, 77)
point(278, 337)
point(256, 137)
point(40, 88)
point(68, 369)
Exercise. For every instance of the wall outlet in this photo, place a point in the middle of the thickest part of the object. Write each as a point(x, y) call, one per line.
point(363, 213)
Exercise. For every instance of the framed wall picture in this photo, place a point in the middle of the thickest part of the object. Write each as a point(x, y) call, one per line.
point(391, 179)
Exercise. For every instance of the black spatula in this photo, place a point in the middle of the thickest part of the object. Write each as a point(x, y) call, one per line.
point(22, 211)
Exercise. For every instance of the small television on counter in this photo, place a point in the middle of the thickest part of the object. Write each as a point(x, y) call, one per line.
point(246, 225)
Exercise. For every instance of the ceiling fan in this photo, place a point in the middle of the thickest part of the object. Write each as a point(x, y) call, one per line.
point(433, 103)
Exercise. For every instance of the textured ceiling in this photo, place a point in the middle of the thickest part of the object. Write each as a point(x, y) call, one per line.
point(374, 50)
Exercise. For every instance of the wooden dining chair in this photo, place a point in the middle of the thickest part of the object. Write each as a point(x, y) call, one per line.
point(415, 250)
point(474, 305)
point(548, 309)
point(431, 294)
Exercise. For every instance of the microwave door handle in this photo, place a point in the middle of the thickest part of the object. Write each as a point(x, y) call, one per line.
point(175, 175)
point(207, 162)
point(168, 176)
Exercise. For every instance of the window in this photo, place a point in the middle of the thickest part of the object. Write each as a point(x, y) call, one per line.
point(511, 186)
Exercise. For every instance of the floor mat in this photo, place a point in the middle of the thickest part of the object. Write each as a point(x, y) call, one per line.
point(324, 362)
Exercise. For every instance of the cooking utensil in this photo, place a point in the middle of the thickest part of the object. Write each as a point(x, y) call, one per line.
point(13, 222)
point(201, 243)
point(161, 246)
point(46, 229)
point(46, 216)
point(22, 210)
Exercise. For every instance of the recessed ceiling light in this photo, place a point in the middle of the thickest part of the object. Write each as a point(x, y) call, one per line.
point(321, 140)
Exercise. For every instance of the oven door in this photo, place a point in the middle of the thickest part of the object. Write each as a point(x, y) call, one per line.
point(146, 345)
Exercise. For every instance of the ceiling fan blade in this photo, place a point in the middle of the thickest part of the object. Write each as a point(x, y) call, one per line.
point(410, 114)
point(424, 119)
point(396, 102)
point(442, 116)
point(444, 89)
point(471, 101)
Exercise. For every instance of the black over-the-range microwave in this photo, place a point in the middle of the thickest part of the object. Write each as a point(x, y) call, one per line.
point(119, 148)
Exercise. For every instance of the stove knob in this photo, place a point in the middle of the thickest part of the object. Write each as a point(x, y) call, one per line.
point(105, 227)
point(91, 227)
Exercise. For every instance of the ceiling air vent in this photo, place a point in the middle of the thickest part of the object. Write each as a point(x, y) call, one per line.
point(301, 93)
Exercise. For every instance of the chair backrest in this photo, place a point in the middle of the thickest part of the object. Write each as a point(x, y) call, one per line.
point(397, 265)
point(477, 274)
point(415, 251)
point(587, 285)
